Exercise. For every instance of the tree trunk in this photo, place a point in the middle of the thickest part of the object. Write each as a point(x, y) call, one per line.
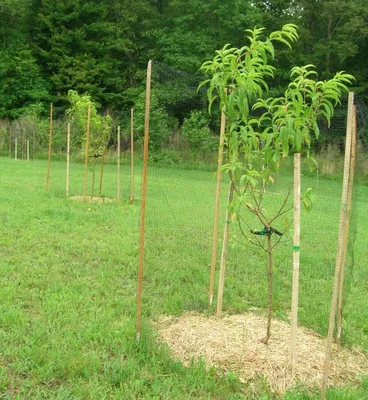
point(270, 290)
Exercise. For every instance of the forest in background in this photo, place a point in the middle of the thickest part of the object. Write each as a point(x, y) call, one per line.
point(102, 47)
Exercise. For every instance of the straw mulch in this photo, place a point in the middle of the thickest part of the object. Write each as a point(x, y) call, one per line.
point(90, 199)
point(233, 343)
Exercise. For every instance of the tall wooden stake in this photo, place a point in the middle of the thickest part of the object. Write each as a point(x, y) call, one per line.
point(27, 145)
point(143, 203)
point(49, 154)
point(296, 261)
point(225, 242)
point(131, 199)
point(24, 146)
point(217, 209)
point(33, 144)
point(343, 212)
point(118, 169)
point(102, 172)
point(16, 149)
point(10, 143)
point(103, 163)
point(347, 225)
point(86, 152)
point(67, 158)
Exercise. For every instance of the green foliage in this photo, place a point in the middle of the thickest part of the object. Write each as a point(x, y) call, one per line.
point(262, 130)
point(22, 86)
point(159, 123)
point(243, 71)
point(197, 132)
point(192, 30)
point(99, 126)
point(102, 47)
point(294, 117)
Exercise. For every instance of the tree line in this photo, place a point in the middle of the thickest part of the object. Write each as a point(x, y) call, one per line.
point(102, 47)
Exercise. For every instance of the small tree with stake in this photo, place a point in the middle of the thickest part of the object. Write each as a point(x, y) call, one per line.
point(263, 130)
point(100, 128)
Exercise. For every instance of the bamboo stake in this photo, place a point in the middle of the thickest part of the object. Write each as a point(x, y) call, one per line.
point(296, 261)
point(67, 158)
point(24, 146)
point(131, 155)
point(225, 242)
point(86, 152)
point(217, 209)
point(16, 149)
point(10, 142)
point(103, 162)
point(118, 169)
point(343, 209)
point(49, 154)
point(27, 150)
point(143, 203)
point(102, 172)
point(33, 144)
point(347, 225)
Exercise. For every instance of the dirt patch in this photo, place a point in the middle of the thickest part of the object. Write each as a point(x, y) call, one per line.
point(232, 343)
point(89, 199)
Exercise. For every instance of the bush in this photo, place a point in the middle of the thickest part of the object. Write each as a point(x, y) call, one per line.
point(159, 122)
point(197, 132)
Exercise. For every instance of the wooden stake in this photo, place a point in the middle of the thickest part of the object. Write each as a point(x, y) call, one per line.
point(10, 143)
point(131, 156)
point(49, 154)
point(24, 146)
point(343, 211)
point(143, 203)
point(27, 145)
point(67, 158)
point(296, 261)
point(16, 149)
point(347, 225)
point(33, 144)
point(118, 169)
point(86, 152)
point(102, 172)
point(217, 209)
point(225, 242)
point(103, 162)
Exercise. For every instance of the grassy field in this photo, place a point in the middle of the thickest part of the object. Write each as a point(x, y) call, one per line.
point(68, 283)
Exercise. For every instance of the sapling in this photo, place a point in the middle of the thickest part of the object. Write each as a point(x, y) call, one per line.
point(99, 128)
point(261, 130)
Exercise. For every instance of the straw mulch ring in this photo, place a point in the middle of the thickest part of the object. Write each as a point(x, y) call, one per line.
point(233, 343)
point(90, 199)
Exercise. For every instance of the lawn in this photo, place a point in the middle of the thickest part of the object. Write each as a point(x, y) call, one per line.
point(68, 283)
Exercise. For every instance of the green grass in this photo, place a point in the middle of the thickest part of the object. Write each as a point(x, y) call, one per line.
point(68, 283)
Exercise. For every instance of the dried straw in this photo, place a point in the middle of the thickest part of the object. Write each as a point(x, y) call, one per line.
point(233, 343)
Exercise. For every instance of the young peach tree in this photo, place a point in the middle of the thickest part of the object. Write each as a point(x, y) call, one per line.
point(261, 130)
point(100, 128)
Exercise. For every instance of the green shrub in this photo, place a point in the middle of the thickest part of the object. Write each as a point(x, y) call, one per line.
point(196, 130)
point(159, 122)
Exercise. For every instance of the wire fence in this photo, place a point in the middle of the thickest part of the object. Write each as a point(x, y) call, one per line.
point(180, 243)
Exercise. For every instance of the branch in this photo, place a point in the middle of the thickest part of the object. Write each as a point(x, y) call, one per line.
point(243, 233)
point(280, 237)
point(280, 211)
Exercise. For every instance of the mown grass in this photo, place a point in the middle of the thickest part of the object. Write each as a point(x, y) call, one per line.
point(68, 284)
